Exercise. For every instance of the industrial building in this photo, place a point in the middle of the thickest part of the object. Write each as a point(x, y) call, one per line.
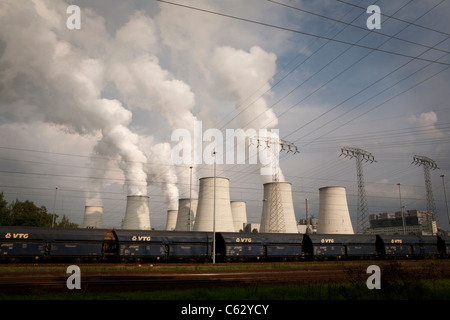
point(239, 212)
point(410, 222)
point(334, 217)
point(278, 209)
point(187, 210)
point(214, 207)
point(137, 214)
point(93, 217)
point(171, 221)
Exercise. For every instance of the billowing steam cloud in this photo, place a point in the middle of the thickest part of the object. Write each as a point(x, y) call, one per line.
point(91, 81)
point(58, 76)
point(244, 78)
point(143, 84)
point(47, 78)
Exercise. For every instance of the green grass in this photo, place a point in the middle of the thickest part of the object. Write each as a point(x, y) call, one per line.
point(396, 290)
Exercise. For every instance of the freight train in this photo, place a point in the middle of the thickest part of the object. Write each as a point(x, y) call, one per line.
point(35, 244)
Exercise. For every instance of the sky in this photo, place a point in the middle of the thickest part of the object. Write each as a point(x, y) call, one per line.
point(87, 115)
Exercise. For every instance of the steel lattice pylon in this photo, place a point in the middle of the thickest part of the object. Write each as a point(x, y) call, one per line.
point(428, 164)
point(363, 211)
point(276, 145)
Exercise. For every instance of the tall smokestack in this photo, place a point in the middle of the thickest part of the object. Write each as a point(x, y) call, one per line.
point(137, 215)
point(183, 218)
point(93, 217)
point(171, 219)
point(205, 210)
point(278, 215)
point(334, 217)
point(239, 212)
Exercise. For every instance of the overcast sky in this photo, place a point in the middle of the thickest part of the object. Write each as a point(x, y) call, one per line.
point(92, 111)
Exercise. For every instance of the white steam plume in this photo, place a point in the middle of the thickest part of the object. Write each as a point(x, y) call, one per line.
point(144, 84)
point(47, 75)
point(243, 77)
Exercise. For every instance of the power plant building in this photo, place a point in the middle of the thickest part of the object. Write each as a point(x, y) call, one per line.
point(93, 217)
point(278, 214)
point(334, 217)
point(137, 215)
point(415, 222)
point(205, 210)
point(171, 219)
point(239, 212)
point(187, 210)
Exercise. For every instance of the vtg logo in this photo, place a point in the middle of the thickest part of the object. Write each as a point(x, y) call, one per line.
point(16, 235)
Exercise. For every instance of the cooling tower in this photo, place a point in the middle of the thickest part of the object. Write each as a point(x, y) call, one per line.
point(278, 214)
point(137, 215)
point(334, 217)
point(93, 217)
point(183, 218)
point(205, 210)
point(171, 219)
point(239, 212)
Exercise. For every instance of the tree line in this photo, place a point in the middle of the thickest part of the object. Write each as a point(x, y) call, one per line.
point(26, 213)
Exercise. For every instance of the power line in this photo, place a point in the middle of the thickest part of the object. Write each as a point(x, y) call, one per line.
point(398, 19)
point(359, 27)
point(300, 32)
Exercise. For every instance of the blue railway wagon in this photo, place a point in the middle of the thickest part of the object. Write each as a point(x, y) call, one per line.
point(363, 246)
point(323, 246)
point(74, 243)
point(341, 245)
point(51, 243)
point(429, 245)
point(444, 246)
point(141, 244)
point(284, 246)
point(240, 246)
point(401, 246)
point(22, 243)
point(157, 245)
point(190, 245)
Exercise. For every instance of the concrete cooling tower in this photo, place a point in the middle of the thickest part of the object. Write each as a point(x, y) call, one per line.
point(239, 212)
point(93, 217)
point(137, 215)
point(171, 219)
point(205, 210)
point(183, 218)
point(278, 216)
point(334, 217)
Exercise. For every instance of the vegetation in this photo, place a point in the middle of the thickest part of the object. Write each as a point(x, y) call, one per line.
point(18, 213)
point(409, 280)
point(395, 290)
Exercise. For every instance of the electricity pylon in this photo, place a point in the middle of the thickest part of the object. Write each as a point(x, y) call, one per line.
point(276, 145)
point(363, 211)
point(427, 164)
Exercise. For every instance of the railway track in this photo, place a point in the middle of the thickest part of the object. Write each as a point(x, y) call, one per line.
point(156, 278)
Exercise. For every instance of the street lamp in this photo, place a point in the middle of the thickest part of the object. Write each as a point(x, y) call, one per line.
point(54, 204)
point(214, 212)
point(445, 195)
point(190, 199)
point(401, 209)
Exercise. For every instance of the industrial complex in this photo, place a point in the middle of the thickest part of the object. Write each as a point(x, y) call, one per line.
point(213, 210)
